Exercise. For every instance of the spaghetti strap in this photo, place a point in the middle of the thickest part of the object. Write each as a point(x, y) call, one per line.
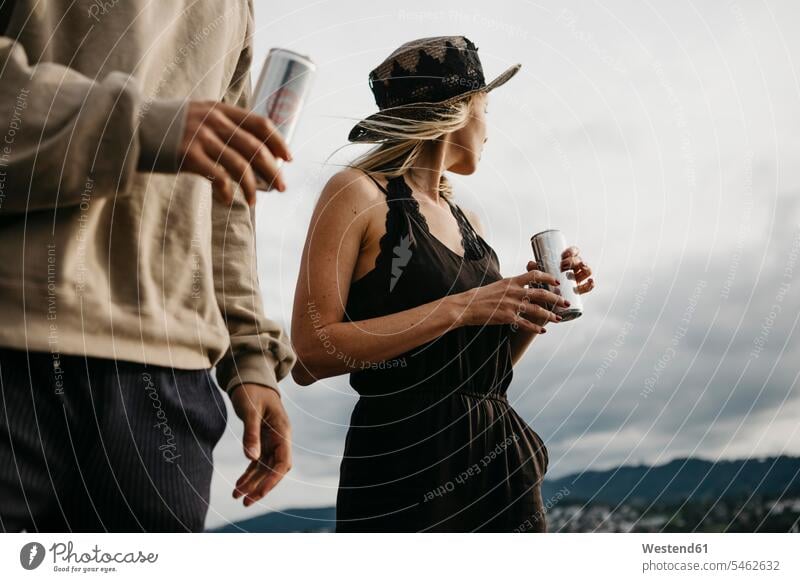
point(378, 184)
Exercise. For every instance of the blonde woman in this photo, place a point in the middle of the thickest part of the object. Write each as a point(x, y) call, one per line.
point(399, 288)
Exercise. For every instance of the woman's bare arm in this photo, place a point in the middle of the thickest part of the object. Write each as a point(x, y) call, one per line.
point(521, 339)
point(327, 346)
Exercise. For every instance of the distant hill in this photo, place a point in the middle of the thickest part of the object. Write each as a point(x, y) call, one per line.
point(306, 519)
point(678, 480)
point(682, 479)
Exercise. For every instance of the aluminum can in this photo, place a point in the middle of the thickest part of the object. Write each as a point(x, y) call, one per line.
point(280, 92)
point(547, 248)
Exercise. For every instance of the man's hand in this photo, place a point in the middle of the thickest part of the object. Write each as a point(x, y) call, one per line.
point(267, 440)
point(223, 142)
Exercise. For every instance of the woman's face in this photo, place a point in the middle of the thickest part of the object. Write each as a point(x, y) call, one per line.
point(466, 144)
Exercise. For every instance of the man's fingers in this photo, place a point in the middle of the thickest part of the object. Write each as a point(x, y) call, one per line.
point(249, 482)
point(252, 435)
point(252, 495)
point(243, 483)
point(281, 464)
point(273, 478)
point(217, 175)
point(265, 480)
point(571, 250)
point(261, 127)
point(252, 149)
point(273, 466)
point(235, 164)
point(249, 137)
point(247, 474)
point(250, 486)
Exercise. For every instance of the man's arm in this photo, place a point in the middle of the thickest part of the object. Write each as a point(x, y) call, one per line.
point(69, 128)
point(260, 351)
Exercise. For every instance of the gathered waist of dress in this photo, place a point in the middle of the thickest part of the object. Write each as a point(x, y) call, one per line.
point(432, 391)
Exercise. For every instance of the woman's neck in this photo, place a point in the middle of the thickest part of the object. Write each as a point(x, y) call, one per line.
point(427, 172)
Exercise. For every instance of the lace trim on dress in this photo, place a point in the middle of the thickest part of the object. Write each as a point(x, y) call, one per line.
point(473, 249)
point(402, 204)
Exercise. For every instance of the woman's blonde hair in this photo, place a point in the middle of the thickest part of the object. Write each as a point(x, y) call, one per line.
point(405, 139)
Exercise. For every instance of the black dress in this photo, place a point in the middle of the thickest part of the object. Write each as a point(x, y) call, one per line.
point(433, 443)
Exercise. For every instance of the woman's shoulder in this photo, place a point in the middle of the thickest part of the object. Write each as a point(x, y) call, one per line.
point(351, 186)
point(351, 198)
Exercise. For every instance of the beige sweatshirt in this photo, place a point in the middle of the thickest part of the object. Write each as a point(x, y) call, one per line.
point(104, 249)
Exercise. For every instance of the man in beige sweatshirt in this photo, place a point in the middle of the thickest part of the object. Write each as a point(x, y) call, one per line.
point(127, 264)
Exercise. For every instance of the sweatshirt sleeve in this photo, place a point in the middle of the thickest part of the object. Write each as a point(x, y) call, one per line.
point(65, 129)
point(260, 350)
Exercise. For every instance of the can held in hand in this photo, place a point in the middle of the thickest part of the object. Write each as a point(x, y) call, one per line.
point(548, 246)
point(280, 92)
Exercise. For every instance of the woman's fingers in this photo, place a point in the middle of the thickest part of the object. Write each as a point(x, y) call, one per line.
point(585, 287)
point(539, 315)
point(520, 321)
point(548, 315)
point(579, 268)
point(535, 276)
point(583, 272)
point(572, 262)
point(545, 297)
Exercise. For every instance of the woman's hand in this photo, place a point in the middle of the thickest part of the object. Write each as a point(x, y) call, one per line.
point(509, 301)
point(540, 317)
point(571, 259)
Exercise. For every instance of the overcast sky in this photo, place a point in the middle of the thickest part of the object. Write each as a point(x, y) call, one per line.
point(662, 138)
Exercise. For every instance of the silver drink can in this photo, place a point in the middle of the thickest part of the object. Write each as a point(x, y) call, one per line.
point(280, 92)
point(548, 246)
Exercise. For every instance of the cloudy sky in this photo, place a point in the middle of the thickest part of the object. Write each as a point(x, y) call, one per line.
point(662, 138)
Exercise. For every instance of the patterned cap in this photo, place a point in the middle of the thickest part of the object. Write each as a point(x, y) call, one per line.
point(423, 76)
